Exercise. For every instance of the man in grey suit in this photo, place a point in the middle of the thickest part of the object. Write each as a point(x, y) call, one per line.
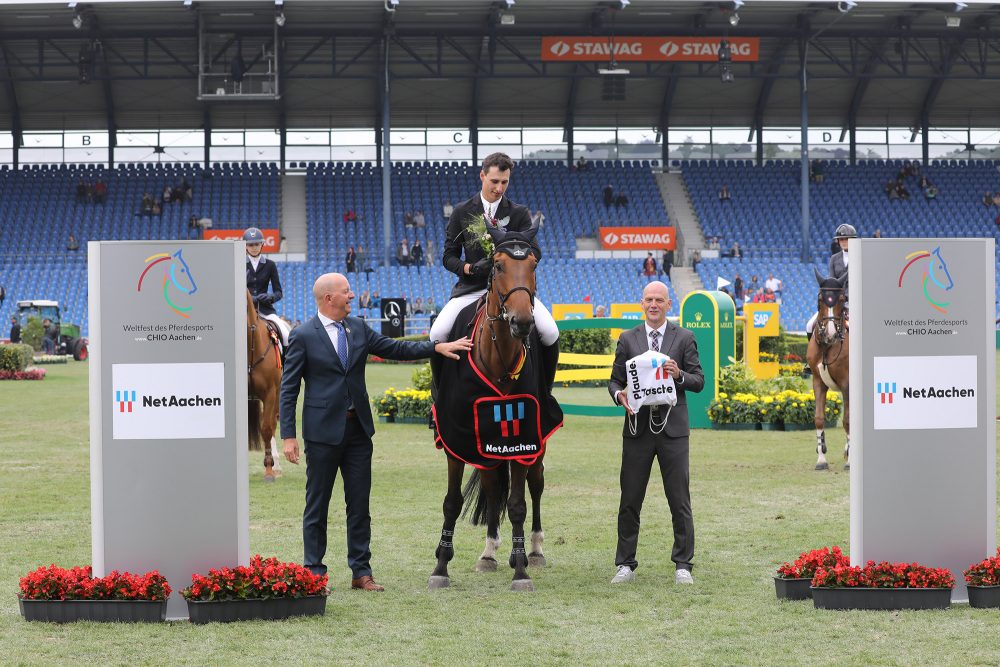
point(669, 447)
point(329, 352)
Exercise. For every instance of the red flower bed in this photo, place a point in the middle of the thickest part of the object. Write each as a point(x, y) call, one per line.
point(31, 374)
point(78, 583)
point(985, 572)
point(264, 578)
point(884, 575)
point(808, 562)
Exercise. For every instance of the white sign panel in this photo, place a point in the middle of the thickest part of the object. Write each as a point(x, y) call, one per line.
point(168, 401)
point(925, 392)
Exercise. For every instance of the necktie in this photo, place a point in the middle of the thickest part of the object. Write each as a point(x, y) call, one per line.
point(654, 340)
point(489, 214)
point(341, 343)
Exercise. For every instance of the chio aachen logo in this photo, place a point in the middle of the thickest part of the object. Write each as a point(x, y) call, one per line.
point(887, 392)
point(935, 274)
point(176, 274)
point(126, 400)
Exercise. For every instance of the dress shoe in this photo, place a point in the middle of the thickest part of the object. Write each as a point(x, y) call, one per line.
point(366, 583)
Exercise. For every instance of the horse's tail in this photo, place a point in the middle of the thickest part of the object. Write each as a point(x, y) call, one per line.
point(475, 499)
point(256, 440)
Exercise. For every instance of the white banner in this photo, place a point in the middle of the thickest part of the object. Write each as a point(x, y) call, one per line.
point(925, 392)
point(168, 401)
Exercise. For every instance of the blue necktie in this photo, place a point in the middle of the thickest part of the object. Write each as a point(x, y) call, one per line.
point(341, 343)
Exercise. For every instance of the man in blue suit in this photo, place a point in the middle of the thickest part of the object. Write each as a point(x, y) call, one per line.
point(329, 352)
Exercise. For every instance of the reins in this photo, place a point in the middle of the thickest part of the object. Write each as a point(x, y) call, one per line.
point(511, 370)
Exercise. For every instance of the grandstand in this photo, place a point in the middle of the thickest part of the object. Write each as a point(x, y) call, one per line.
point(676, 117)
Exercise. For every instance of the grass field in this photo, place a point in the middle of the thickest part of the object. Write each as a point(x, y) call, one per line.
point(757, 502)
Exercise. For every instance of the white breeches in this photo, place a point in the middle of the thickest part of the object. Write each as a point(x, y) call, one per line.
point(282, 327)
point(546, 326)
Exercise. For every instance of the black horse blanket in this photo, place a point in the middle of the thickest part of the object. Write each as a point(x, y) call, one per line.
point(477, 423)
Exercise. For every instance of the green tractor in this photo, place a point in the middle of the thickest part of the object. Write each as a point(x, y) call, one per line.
point(69, 340)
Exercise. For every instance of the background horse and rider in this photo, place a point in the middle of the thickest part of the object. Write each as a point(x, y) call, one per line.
point(263, 385)
point(828, 356)
point(503, 362)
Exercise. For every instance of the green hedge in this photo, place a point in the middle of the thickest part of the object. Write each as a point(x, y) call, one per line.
point(32, 333)
point(15, 357)
point(586, 341)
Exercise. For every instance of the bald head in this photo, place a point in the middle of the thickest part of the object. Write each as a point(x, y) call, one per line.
point(333, 295)
point(655, 303)
point(657, 287)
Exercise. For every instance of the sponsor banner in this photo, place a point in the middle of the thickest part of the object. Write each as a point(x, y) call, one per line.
point(638, 238)
point(272, 239)
point(175, 401)
point(925, 392)
point(647, 49)
point(572, 311)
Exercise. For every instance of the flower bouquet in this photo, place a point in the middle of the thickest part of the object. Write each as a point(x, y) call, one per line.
point(792, 580)
point(477, 233)
point(62, 595)
point(882, 585)
point(265, 589)
point(983, 582)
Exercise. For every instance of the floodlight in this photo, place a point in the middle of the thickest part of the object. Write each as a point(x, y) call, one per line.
point(726, 72)
point(953, 21)
point(846, 5)
point(77, 21)
point(279, 19)
point(737, 4)
point(959, 6)
point(734, 19)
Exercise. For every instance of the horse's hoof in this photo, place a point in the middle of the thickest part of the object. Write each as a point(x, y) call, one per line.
point(268, 479)
point(437, 582)
point(486, 565)
point(822, 466)
point(522, 585)
point(847, 466)
point(536, 560)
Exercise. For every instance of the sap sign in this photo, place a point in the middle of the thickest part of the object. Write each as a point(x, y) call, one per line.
point(925, 392)
point(760, 320)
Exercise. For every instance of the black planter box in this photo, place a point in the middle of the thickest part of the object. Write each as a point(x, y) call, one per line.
point(227, 611)
point(881, 598)
point(110, 611)
point(793, 589)
point(984, 597)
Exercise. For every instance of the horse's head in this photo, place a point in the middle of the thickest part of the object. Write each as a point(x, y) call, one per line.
point(831, 291)
point(251, 310)
point(180, 274)
point(939, 271)
point(512, 280)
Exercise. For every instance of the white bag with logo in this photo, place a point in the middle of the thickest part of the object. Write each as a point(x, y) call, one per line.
point(647, 382)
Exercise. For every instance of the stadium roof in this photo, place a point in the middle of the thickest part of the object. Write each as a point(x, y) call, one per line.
point(461, 63)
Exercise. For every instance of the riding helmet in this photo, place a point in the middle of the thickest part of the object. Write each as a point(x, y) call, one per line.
point(254, 235)
point(846, 231)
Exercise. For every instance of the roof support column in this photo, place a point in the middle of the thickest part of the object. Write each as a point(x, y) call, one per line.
point(207, 124)
point(805, 254)
point(386, 157)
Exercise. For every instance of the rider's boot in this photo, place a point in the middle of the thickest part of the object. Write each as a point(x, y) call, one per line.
point(550, 359)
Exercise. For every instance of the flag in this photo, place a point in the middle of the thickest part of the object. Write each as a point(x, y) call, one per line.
point(721, 282)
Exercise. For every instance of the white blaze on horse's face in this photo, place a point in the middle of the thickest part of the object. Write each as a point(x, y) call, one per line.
point(831, 330)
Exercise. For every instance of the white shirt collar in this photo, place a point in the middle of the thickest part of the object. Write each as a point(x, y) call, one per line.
point(489, 208)
point(326, 320)
point(662, 329)
point(255, 261)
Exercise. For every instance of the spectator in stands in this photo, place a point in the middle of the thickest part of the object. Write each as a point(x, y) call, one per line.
point(695, 259)
point(447, 210)
point(81, 192)
point(362, 260)
point(283, 244)
point(408, 219)
point(417, 254)
point(582, 164)
point(538, 218)
point(177, 196)
point(186, 189)
point(403, 253)
point(351, 260)
point(774, 286)
point(365, 302)
point(419, 220)
point(724, 194)
point(713, 243)
point(15, 330)
point(817, 171)
point(649, 268)
point(736, 252)
point(738, 295)
point(931, 191)
point(3, 295)
point(167, 193)
point(350, 216)
point(600, 311)
point(147, 204)
point(100, 191)
point(72, 243)
point(996, 198)
point(753, 285)
point(988, 199)
point(901, 191)
point(431, 309)
point(609, 195)
point(668, 263)
point(418, 306)
point(890, 188)
point(376, 302)
point(157, 208)
point(877, 234)
point(429, 253)
point(263, 282)
point(621, 200)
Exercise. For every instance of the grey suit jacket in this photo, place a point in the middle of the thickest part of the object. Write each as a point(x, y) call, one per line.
point(837, 267)
point(679, 345)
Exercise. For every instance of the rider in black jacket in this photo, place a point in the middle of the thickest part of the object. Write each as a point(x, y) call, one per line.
point(261, 274)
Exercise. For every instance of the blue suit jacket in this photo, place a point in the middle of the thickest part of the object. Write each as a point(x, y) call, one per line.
point(331, 388)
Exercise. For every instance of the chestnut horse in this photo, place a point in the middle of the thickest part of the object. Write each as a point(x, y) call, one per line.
point(263, 384)
point(828, 356)
point(499, 344)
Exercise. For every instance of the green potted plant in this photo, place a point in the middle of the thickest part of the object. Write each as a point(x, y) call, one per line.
point(265, 589)
point(792, 580)
point(983, 583)
point(61, 595)
point(735, 412)
point(882, 585)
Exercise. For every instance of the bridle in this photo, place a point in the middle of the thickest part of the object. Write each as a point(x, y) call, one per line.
point(253, 344)
point(839, 328)
point(512, 370)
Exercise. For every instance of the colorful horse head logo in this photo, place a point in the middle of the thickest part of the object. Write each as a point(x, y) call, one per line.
point(936, 273)
point(176, 273)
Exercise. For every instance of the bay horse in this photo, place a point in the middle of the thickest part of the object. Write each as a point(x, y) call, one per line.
point(828, 356)
point(263, 384)
point(500, 344)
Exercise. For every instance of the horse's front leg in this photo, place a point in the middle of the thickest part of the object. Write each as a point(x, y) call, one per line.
point(819, 421)
point(536, 484)
point(268, 424)
point(452, 508)
point(517, 510)
point(847, 429)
